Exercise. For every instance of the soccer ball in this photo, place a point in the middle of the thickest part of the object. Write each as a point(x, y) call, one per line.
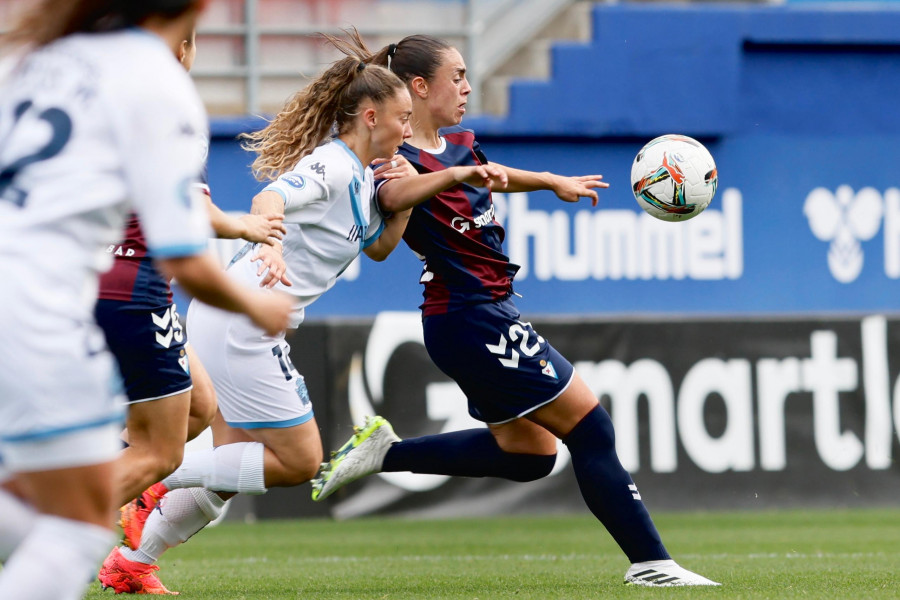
point(674, 177)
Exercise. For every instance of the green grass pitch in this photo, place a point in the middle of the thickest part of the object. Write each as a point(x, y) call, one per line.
point(828, 554)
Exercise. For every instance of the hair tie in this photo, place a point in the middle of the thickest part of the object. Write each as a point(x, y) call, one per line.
point(392, 49)
point(360, 67)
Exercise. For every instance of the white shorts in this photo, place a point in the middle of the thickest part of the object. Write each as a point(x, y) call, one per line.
point(60, 393)
point(256, 384)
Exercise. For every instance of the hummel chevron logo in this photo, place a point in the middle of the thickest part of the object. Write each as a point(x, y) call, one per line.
point(512, 362)
point(166, 340)
point(634, 492)
point(163, 321)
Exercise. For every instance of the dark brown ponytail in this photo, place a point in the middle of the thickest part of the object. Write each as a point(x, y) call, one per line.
point(413, 56)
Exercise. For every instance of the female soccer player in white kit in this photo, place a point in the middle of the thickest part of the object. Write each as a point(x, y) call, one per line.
point(96, 117)
point(269, 437)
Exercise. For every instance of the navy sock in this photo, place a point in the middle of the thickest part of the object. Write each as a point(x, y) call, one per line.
point(467, 453)
point(605, 487)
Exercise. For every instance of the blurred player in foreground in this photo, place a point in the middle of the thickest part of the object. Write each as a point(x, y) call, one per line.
point(96, 117)
point(266, 434)
point(515, 381)
point(170, 396)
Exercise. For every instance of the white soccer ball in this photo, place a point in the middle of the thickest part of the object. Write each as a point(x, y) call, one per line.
point(674, 177)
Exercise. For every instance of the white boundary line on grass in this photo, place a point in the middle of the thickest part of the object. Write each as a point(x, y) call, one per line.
point(555, 557)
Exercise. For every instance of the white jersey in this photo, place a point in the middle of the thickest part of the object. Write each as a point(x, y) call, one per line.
point(330, 214)
point(91, 128)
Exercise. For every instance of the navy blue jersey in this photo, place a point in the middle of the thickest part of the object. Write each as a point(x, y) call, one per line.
point(456, 233)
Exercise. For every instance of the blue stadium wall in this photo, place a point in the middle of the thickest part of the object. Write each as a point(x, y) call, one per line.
point(767, 322)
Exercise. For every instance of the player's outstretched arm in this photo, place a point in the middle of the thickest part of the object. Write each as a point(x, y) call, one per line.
point(406, 192)
point(569, 189)
point(202, 278)
point(260, 228)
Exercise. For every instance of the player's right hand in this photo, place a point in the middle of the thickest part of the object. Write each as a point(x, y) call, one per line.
point(271, 266)
point(487, 176)
point(271, 311)
point(572, 189)
point(264, 229)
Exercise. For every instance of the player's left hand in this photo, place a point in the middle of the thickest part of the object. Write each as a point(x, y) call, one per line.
point(394, 167)
point(271, 262)
point(263, 229)
point(572, 189)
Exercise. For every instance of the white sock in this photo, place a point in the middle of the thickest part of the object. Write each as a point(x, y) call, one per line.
point(16, 520)
point(229, 468)
point(181, 514)
point(78, 549)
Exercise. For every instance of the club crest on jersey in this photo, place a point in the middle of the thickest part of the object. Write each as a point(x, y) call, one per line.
point(302, 392)
point(548, 370)
point(295, 181)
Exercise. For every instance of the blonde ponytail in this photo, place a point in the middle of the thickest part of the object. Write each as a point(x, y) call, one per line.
point(331, 100)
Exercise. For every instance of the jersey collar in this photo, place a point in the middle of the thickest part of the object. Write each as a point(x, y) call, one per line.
point(351, 153)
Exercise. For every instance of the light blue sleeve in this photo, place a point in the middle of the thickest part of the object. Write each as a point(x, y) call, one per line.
point(376, 224)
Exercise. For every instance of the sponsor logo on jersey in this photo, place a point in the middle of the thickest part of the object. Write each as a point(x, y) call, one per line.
point(120, 250)
point(357, 232)
point(318, 168)
point(296, 181)
point(461, 224)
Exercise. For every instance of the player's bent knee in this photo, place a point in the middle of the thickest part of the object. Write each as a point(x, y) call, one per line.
point(203, 405)
point(168, 461)
point(300, 475)
point(302, 470)
point(529, 467)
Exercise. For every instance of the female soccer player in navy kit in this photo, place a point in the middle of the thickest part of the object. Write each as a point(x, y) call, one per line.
point(529, 396)
point(96, 118)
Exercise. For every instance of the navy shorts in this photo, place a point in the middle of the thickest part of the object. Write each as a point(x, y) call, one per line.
point(501, 363)
point(149, 346)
